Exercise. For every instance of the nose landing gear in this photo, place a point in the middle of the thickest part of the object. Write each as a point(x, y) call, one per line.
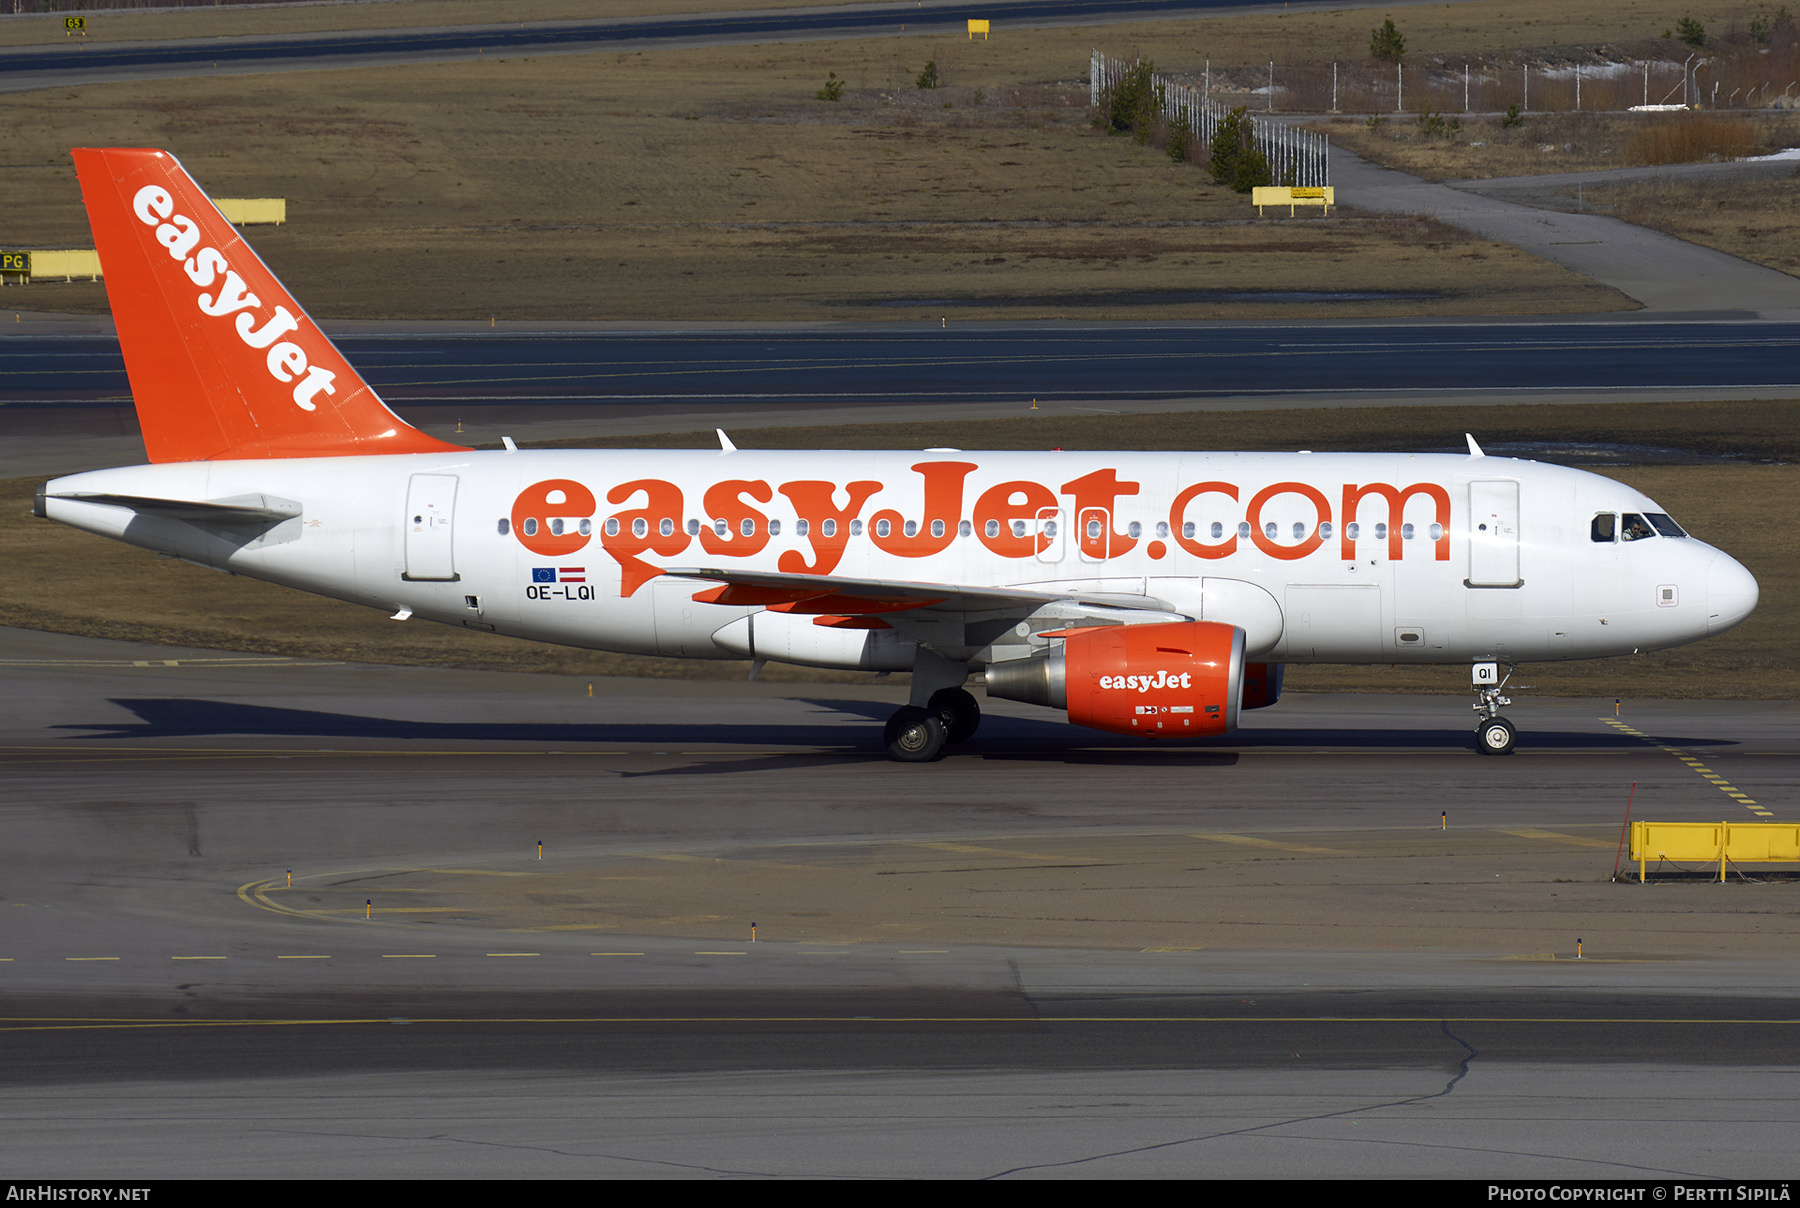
point(1494, 735)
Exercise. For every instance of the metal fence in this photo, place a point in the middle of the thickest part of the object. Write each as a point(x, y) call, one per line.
point(1297, 157)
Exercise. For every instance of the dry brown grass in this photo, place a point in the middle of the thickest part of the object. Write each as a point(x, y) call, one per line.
point(1757, 220)
point(66, 581)
point(1692, 138)
point(1561, 142)
point(710, 185)
point(130, 25)
point(1435, 30)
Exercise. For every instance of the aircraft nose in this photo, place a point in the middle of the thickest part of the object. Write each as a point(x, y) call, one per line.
point(1731, 593)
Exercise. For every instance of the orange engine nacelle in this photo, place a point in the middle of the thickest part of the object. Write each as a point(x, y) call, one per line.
point(1183, 679)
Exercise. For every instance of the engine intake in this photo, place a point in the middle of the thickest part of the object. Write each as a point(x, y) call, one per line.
point(1181, 679)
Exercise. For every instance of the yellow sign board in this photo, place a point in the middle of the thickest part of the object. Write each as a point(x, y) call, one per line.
point(74, 25)
point(1282, 195)
point(15, 262)
point(977, 27)
point(252, 211)
point(80, 262)
point(1724, 842)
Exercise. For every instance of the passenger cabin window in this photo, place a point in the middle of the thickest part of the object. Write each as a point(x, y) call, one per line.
point(1635, 527)
point(1605, 528)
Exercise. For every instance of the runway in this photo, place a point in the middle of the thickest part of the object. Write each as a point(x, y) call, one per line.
point(69, 63)
point(65, 400)
point(1335, 943)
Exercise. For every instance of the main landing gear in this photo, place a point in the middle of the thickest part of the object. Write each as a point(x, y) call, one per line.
point(918, 734)
point(1494, 734)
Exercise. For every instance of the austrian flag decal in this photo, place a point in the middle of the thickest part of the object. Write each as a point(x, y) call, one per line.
point(559, 583)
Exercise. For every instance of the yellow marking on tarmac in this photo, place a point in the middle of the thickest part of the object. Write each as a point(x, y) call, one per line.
point(1525, 832)
point(303, 958)
point(90, 958)
point(197, 958)
point(1251, 841)
point(969, 850)
point(615, 954)
point(924, 952)
point(469, 872)
point(408, 956)
point(1193, 949)
point(1717, 781)
point(515, 954)
point(721, 954)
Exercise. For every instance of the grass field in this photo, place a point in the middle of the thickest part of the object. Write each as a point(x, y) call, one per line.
point(711, 185)
point(131, 25)
point(1758, 220)
point(71, 582)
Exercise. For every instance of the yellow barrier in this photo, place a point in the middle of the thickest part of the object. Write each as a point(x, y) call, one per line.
point(1726, 842)
point(67, 265)
point(977, 27)
point(1278, 195)
point(249, 211)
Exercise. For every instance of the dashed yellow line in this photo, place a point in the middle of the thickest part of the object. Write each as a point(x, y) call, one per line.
point(1711, 777)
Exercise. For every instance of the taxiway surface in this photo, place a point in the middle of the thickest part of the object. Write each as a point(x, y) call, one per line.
point(1053, 953)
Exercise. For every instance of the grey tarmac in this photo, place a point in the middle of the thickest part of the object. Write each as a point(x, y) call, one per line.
point(1053, 954)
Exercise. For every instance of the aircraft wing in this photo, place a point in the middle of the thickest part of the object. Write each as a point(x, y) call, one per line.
point(823, 594)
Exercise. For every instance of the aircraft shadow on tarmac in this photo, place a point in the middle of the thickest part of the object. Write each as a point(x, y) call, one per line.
point(1001, 737)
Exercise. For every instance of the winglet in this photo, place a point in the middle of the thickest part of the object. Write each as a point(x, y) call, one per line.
point(223, 362)
point(1474, 449)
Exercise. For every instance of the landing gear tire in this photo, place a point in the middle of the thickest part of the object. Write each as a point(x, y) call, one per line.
point(959, 712)
point(915, 735)
point(1495, 736)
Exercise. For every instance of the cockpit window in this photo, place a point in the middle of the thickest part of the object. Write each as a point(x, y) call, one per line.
point(1664, 525)
point(1636, 528)
point(1606, 526)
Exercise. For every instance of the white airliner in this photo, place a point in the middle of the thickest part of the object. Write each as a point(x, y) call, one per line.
point(1153, 594)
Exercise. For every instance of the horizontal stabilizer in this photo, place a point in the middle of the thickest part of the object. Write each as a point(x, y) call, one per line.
point(259, 510)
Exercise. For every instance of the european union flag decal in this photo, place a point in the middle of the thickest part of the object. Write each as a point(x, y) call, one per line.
point(543, 574)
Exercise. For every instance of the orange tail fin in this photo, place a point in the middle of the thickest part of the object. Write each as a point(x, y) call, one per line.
point(222, 360)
